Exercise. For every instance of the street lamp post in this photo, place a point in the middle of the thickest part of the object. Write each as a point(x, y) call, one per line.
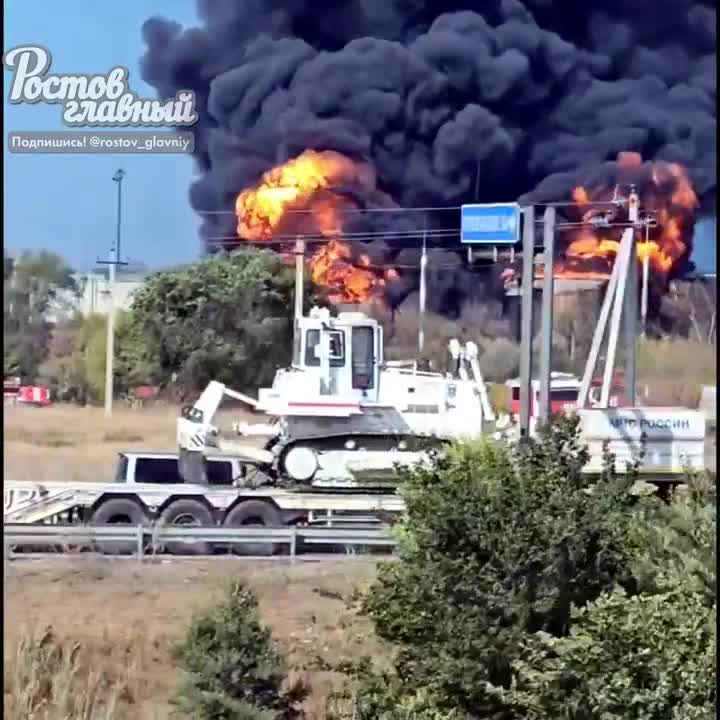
point(110, 346)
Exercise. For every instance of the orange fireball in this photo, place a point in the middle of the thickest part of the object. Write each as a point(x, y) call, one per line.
point(302, 188)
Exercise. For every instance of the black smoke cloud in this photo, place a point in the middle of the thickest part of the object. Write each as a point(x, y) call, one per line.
point(451, 101)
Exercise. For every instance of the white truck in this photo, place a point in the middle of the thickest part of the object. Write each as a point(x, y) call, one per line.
point(148, 489)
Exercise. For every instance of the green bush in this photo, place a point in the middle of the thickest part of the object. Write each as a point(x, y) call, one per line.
point(522, 596)
point(75, 368)
point(498, 544)
point(38, 284)
point(231, 669)
point(650, 656)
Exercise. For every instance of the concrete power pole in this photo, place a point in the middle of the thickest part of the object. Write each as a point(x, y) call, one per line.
point(423, 296)
point(526, 318)
point(112, 263)
point(630, 311)
point(299, 276)
point(548, 297)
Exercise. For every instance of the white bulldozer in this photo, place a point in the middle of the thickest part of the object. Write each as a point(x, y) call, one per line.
point(342, 417)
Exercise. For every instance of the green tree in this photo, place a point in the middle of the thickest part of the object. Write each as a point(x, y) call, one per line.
point(134, 365)
point(75, 367)
point(223, 318)
point(677, 543)
point(647, 657)
point(32, 282)
point(231, 669)
point(650, 656)
point(497, 545)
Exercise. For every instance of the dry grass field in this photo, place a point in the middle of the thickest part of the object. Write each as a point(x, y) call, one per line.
point(66, 442)
point(674, 370)
point(126, 617)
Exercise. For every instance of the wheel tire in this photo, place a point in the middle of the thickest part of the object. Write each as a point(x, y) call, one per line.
point(123, 512)
point(254, 513)
point(187, 512)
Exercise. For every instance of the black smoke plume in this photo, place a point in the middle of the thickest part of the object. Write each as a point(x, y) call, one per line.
point(451, 101)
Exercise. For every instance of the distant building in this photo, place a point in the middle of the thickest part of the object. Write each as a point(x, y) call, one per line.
point(95, 292)
point(94, 297)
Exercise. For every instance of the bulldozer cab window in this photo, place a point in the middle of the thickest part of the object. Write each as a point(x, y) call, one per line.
point(363, 358)
point(337, 348)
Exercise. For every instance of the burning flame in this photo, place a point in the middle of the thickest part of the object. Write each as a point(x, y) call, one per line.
point(301, 190)
point(665, 193)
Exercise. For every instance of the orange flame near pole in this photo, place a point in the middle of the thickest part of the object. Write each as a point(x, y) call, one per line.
point(304, 185)
point(665, 191)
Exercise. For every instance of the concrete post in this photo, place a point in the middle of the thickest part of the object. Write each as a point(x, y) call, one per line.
point(548, 293)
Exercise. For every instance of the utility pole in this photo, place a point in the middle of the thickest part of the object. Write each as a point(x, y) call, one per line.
point(423, 295)
point(299, 276)
point(299, 295)
point(644, 305)
point(112, 262)
point(645, 280)
point(631, 302)
point(526, 319)
point(548, 292)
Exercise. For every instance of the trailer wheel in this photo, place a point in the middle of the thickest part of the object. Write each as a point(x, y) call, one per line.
point(254, 513)
point(120, 511)
point(183, 513)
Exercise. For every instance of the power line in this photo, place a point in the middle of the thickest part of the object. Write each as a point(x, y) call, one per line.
point(370, 235)
point(340, 235)
point(430, 208)
point(390, 265)
point(300, 211)
point(405, 266)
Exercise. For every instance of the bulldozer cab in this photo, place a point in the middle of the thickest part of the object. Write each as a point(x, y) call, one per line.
point(345, 353)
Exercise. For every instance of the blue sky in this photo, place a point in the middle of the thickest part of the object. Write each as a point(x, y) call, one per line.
point(67, 203)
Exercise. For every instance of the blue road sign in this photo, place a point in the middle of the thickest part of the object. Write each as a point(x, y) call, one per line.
point(497, 224)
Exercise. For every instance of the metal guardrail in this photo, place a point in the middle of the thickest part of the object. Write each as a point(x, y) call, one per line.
point(149, 539)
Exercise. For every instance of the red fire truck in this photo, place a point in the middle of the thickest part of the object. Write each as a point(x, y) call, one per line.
point(15, 393)
point(564, 391)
